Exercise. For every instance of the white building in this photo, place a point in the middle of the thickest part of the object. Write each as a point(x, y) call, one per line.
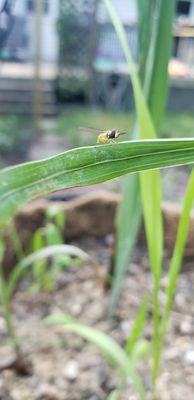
point(20, 44)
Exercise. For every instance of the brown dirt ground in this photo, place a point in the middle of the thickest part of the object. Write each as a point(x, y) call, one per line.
point(65, 367)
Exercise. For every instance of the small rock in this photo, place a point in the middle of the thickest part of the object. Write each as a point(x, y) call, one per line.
point(180, 301)
point(71, 370)
point(164, 282)
point(109, 240)
point(172, 353)
point(76, 309)
point(46, 392)
point(3, 328)
point(189, 357)
point(148, 333)
point(134, 269)
point(126, 327)
point(185, 328)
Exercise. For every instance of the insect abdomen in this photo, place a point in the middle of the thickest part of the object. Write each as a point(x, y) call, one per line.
point(102, 138)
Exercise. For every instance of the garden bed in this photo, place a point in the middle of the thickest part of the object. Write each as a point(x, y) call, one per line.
point(91, 212)
point(64, 367)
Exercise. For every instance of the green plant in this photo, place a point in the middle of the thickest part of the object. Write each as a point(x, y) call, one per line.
point(176, 260)
point(125, 358)
point(7, 287)
point(153, 61)
point(87, 165)
point(15, 240)
point(147, 122)
point(153, 71)
point(44, 273)
point(90, 165)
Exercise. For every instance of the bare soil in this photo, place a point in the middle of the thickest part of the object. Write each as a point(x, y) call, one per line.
point(65, 367)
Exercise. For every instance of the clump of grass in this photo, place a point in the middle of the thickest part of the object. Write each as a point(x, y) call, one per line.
point(124, 359)
point(59, 255)
point(44, 273)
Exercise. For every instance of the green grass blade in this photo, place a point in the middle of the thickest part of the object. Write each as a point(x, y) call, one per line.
point(156, 79)
point(107, 344)
point(114, 395)
point(150, 182)
point(127, 222)
point(152, 179)
point(38, 267)
point(16, 241)
point(156, 83)
point(145, 23)
point(138, 326)
point(146, 130)
point(154, 233)
point(2, 277)
point(56, 216)
point(86, 166)
point(49, 251)
point(178, 252)
point(52, 234)
point(145, 124)
point(110, 348)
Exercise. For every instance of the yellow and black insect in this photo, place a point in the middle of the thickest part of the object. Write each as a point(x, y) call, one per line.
point(109, 136)
point(104, 137)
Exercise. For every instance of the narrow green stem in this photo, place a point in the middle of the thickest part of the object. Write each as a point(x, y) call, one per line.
point(156, 331)
point(11, 330)
point(16, 241)
point(8, 317)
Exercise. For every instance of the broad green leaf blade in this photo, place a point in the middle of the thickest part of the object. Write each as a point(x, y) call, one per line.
point(50, 251)
point(86, 166)
point(106, 344)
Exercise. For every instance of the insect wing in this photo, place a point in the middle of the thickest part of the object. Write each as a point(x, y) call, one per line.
point(89, 130)
point(122, 133)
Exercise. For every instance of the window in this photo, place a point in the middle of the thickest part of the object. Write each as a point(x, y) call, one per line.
point(46, 6)
point(183, 7)
point(30, 5)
